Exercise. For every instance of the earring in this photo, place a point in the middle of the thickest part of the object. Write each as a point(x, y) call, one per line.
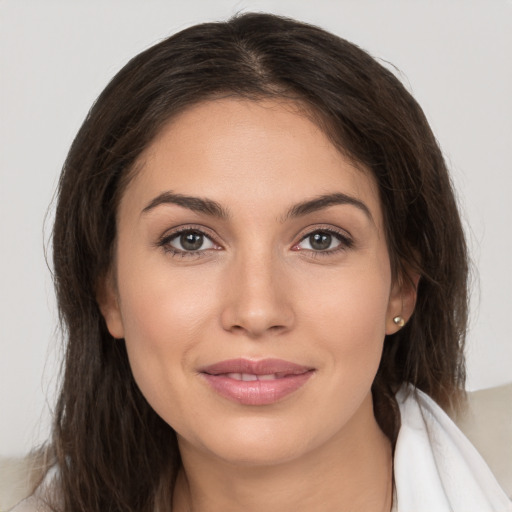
point(398, 320)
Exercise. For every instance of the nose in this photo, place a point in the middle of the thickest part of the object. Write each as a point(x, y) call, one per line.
point(257, 299)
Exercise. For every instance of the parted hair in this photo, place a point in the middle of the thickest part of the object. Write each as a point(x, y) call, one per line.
point(113, 452)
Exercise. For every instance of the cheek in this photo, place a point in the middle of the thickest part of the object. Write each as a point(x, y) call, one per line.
point(349, 317)
point(160, 306)
point(163, 318)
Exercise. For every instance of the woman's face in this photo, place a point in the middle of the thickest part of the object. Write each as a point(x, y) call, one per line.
point(252, 283)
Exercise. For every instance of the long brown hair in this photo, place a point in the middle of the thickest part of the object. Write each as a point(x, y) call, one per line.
point(113, 451)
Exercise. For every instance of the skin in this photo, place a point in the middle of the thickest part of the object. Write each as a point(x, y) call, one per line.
point(257, 289)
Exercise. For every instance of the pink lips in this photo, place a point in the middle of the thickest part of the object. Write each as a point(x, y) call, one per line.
point(256, 382)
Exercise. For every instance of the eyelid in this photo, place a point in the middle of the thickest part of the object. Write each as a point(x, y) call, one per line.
point(171, 234)
point(345, 238)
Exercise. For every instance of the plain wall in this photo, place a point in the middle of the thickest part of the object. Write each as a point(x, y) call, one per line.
point(56, 57)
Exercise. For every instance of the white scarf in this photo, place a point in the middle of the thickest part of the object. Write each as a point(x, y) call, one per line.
point(436, 468)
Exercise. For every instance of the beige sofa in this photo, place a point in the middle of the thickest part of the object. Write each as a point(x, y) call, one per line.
point(487, 422)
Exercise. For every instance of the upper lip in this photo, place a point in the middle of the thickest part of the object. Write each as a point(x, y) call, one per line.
point(261, 367)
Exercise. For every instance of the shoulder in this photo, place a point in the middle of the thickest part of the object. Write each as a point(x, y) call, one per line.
point(30, 504)
point(18, 479)
point(436, 466)
point(487, 423)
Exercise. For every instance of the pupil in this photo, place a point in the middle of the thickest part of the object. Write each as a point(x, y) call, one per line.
point(320, 241)
point(191, 241)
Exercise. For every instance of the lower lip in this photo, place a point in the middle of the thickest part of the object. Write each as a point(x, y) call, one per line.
point(256, 392)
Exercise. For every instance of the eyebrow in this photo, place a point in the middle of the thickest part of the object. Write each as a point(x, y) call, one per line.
point(214, 209)
point(196, 204)
point(324, 201)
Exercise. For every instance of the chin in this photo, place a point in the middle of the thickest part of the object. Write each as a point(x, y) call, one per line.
point(261, 450)
point(263, 441)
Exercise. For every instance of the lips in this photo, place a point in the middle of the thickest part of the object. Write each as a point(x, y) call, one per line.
point(256, 382)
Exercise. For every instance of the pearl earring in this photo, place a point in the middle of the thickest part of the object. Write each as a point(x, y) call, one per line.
point(398, 320)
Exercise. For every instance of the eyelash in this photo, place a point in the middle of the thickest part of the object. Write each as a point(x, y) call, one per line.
point(345, 242)
point(166, 240)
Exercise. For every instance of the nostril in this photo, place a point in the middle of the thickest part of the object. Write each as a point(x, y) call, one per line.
point(253, 331)
point(277, 328)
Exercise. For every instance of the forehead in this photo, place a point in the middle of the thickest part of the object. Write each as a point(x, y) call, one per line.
point(248, 153)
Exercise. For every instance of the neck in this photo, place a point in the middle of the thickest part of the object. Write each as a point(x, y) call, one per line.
point(352, 472)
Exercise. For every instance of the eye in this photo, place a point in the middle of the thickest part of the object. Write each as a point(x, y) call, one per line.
point(319, 241)
point(325, 241)
point(187, 241)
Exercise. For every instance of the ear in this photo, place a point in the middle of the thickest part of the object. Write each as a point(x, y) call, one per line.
point(402, 300)
point(108, 302)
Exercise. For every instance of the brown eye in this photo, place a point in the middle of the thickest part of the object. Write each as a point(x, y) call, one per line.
point(320, 241)
point(190, 241)
point(324, 242)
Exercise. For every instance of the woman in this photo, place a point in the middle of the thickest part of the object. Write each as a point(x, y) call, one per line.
point(262, 275)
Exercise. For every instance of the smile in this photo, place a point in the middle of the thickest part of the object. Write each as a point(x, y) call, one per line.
point(247, 377)
point(256, 382)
